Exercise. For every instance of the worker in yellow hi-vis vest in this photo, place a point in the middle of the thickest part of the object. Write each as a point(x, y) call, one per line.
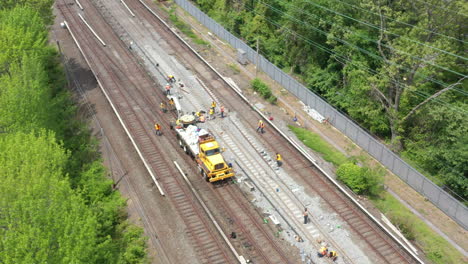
point(278, 160)
point(157, 127)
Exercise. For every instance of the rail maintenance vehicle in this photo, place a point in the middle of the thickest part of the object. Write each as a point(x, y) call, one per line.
point(202, 146)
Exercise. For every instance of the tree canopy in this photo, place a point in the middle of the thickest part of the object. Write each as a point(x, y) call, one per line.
point(56, 204)
point(393, 66)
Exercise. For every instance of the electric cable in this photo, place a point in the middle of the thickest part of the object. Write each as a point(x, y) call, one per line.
point(384, 30)
point(369, 70)
point(400, 22)
point(443, 8)
point(370, 53)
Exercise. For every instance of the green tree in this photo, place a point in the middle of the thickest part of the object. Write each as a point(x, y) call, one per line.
point(43, 219)
point(438, 140)
point(33, 98)
point(43, 7)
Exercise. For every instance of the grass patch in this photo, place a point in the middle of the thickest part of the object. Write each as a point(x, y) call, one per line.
point(315, 142)
point(436, 249)
point(234, 68)
point(184, 28)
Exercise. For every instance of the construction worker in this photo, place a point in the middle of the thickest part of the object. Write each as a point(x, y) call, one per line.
point(222, 111)
point(177, 123)
point(201, 119)
point(213, 105)
point(171, 78)
point(260, 125)
point(157, 127)
point(163, 107)
point(333, 255)
point(278, 160)
point(323, 252)
point(168, 89)
point(306, 216)
point(211, 113)
point(171, 104)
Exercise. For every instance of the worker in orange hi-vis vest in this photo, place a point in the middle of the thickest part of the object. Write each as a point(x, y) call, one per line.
point(262, 127)
point(201, 119)
point(157, 127)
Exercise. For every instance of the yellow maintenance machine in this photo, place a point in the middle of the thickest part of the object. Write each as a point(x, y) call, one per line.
point(203, 147)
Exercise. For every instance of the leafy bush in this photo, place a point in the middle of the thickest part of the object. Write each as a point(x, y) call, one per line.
point(353, 176)
point(60, 206)
point(374, 180)
point(272, 99)
point(360, 180)
point(263, 89)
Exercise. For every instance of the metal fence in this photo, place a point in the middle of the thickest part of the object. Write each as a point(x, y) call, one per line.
point(452, 207)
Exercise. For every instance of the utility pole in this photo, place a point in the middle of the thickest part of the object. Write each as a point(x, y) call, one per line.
point(256, 63)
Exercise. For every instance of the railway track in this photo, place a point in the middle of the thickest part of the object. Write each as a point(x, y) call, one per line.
point(138, 117)
point(385, 248)
point(209, 253)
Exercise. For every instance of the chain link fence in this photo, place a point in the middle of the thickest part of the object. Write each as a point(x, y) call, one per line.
point(444, 201)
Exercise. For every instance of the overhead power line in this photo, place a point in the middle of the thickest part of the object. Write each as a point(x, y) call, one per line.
point(367, 69)
point(384, 30)
point(368, 52)
point(443, 8)
point(399, 22)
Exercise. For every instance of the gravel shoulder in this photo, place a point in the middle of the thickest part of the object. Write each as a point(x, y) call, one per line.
point(222, 56)
point(145, 206)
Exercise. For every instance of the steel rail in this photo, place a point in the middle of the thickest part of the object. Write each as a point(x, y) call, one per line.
point(382, 228)
point(116, 79)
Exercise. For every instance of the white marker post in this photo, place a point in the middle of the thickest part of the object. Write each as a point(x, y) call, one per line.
point(92, 30)
point(79, 5)
point(126, 6)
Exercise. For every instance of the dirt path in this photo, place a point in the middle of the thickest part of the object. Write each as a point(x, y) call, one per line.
point(223, 57)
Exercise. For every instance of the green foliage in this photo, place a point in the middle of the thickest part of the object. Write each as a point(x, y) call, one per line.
point(57, 204)
point(438, 140)
point(353, 176)
point(315, 142)
point(436, 249)
point(376, 76)
point(263, 89)
point(369, 181)
point(134, 244)
point(43, 219)
point(42, 7)
point(186, 29)
point(362, 180)
point(234, 68)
